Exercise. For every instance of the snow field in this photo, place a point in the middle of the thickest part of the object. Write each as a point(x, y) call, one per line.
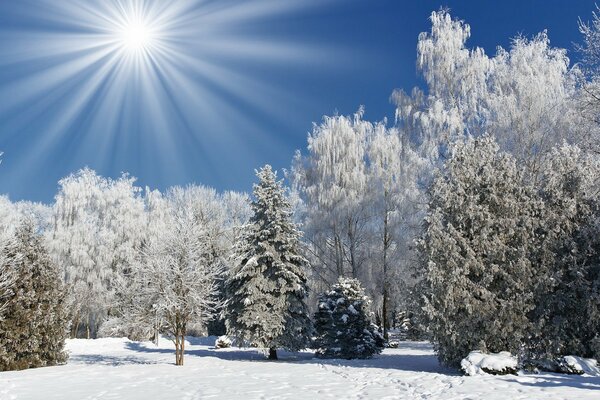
point(111, 369)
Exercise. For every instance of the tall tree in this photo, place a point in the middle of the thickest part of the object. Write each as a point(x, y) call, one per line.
point(267, 286)
point(35, 325)
point(176, 277)
point(477, 253)
point(96, 233)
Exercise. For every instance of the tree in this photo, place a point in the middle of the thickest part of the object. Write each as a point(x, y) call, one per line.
point(8, 275)
point(176, 277)
point(96, 234)
point(342, 324)
point(267, 285)
point(393, 175)
point(477, 249)
point(589, 95)
point(567, 310)
point(35, 325)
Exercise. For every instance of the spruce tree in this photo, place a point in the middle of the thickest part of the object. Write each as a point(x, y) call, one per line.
point(267, 286)
point(34, 329)
point(343, 329)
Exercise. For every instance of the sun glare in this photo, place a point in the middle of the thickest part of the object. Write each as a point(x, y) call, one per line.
point(137, 36)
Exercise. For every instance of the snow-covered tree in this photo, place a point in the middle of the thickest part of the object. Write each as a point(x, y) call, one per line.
point(567, 309)
point(477, 253)
point(332, 181)
point(524, 96)
point(394, 196)
point(267, 285)
point(96, 233)
point(35, 325)
point(343, 328)
point(176, 276)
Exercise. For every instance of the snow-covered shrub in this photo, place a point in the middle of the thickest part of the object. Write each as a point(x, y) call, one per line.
point(393, 344)
point(478, 363)
point(223, 342)
point(342, 325)
point(578, 366)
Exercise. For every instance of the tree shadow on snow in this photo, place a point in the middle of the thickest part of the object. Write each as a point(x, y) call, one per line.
point(401, 362)
point(114, 361)
point(559, 380)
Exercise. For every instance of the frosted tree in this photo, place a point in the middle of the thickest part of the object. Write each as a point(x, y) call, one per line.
point(35, 325)
point(589, 96)
point(476, 253)
point(567, 308)
point(524, 96)
point(267, 285)
point(176, 277)
point(332, 181)
point(96, 233)
point(342, 325)
point(393, 174)
point(8, 275)
point(530, 104)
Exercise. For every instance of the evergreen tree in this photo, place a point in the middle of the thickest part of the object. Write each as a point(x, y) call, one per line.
point(567, 310)
point(35, 325)
point(267, 285)
point(477, 249)
point(343, 329)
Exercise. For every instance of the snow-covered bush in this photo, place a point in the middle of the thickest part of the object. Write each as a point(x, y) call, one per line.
point(223, 342)
point(342, 325)
point(478, 363)
point(578, 366)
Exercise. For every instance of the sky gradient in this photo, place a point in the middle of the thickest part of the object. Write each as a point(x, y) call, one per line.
point(233, 85)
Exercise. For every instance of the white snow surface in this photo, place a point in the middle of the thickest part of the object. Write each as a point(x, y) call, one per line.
point(121, 369)
point(585, 365)
point(476, 361)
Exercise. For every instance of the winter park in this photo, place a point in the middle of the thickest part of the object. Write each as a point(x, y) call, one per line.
point(300, 199)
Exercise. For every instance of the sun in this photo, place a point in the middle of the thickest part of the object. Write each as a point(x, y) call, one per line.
point(137, 36)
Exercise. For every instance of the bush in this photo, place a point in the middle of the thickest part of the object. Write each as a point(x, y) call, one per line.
point(223, 342)
point(478, 363)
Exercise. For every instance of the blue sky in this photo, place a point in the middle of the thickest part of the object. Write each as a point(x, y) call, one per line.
point(233, 84)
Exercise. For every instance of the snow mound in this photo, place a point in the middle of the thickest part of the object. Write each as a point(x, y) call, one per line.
point(478, 363)
point(579, 366)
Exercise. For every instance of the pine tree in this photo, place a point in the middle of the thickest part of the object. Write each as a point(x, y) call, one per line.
point(343, 329)
point(267, 285)
point(35, 325)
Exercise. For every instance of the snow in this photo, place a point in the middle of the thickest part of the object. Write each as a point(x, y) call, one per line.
point(122, 369)
point(477, 363)
point(582, 365)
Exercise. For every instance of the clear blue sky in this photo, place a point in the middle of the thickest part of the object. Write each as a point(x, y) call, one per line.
point(236, 85)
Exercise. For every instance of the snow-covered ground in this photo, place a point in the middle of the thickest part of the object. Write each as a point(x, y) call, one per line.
point(121, 369)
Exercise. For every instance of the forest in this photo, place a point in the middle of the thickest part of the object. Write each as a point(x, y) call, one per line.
point(472, 221)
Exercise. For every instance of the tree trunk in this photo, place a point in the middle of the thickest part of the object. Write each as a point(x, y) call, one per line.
point(272, 353)
point(386, 246)
point(87, 328)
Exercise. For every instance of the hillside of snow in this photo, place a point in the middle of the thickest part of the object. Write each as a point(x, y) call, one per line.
point(122, 369)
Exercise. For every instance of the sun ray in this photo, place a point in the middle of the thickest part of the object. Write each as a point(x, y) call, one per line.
point(109, 75)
